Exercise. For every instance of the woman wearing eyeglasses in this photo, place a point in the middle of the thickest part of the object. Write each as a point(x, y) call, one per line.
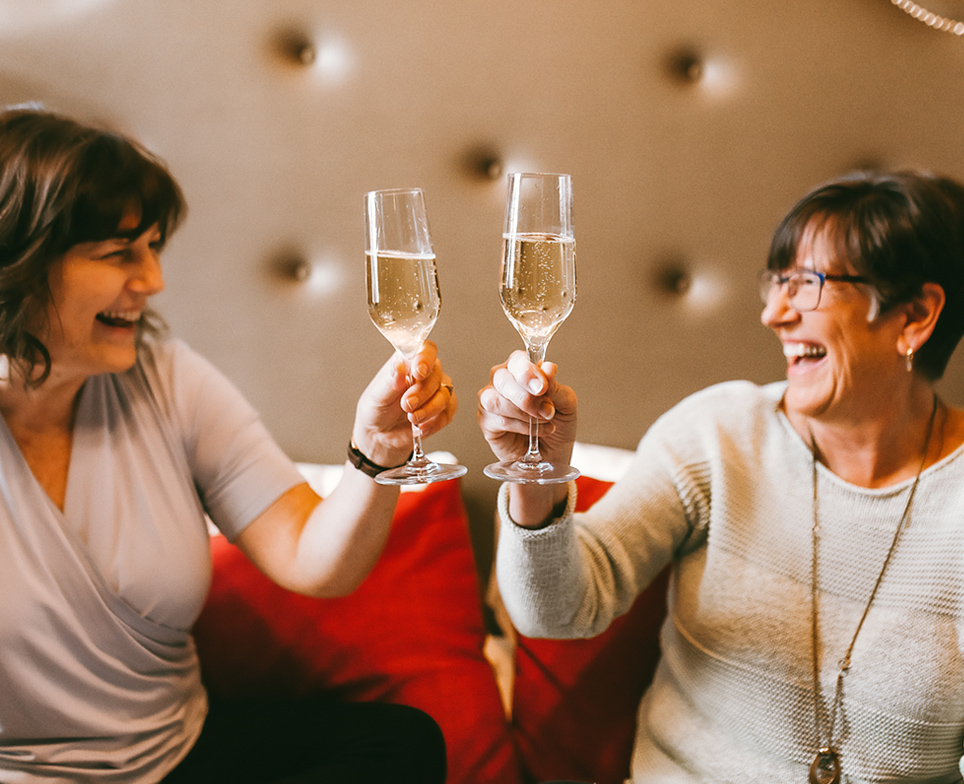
point(815, 526)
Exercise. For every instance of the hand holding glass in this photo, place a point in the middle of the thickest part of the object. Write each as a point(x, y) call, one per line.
point(403, 300)
point(538, 290)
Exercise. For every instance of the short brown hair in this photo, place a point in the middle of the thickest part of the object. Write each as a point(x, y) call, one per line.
point(899, 230)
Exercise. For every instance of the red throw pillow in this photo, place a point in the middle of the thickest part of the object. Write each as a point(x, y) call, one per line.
point(412, 633)
point(575, 701)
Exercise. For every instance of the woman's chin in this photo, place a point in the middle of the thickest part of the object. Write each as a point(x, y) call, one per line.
point(115, 360)
point(803, 400)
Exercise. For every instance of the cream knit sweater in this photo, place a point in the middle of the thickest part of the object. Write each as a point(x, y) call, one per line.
point(721, 486)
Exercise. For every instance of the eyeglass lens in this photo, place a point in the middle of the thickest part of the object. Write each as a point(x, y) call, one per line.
point(803, 288)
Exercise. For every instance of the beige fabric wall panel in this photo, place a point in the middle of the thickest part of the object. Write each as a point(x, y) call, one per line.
point(689, 127)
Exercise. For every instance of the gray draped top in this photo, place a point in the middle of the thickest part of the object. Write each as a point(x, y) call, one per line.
point(99, 680)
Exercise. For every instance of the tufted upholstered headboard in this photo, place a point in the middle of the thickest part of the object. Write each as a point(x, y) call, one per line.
point(689, 126)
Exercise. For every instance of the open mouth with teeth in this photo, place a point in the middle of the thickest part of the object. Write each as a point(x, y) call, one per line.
point(800, 352)
point(122, 320)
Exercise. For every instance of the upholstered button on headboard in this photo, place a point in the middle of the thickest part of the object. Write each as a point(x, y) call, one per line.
point(689, 127)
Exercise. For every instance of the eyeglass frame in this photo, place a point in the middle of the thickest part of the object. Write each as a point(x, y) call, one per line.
point(771, 279)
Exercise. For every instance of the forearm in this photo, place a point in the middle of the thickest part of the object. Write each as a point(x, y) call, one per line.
point(574, 575)
point(540, 572)
point(343, 537)
point(327, 548)
point(322, 547)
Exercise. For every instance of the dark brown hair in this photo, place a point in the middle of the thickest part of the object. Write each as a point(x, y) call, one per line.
point(899, 230)
point(63, 183)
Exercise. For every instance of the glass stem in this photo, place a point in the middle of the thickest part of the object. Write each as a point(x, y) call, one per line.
point(418, 458)
point(537, 353)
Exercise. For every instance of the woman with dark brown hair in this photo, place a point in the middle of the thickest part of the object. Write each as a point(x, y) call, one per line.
point(115, 444)
point(814, 526)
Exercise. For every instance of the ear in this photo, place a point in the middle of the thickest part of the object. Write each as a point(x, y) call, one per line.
point(922, 313)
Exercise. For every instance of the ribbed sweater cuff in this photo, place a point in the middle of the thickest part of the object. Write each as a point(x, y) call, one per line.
point(505, 519)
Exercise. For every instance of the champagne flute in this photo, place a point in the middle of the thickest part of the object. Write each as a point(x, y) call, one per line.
point(403, 300)
point(538, 290)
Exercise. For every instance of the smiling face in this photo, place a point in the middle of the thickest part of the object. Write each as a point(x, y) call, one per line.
point(99, 291)
point(841, 363)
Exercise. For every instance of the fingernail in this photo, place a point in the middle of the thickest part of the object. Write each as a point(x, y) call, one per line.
point(423, 370)
point(535, 386)
point(547, 410)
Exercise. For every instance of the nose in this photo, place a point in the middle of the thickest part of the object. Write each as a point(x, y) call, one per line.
point(777, 309)
point(147, 277)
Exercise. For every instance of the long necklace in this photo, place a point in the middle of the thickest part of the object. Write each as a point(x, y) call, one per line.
point(825, 768)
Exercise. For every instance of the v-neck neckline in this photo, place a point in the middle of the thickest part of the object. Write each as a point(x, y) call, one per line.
point(24, 465)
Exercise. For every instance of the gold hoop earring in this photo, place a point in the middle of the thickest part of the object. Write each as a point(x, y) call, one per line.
point(909, 358)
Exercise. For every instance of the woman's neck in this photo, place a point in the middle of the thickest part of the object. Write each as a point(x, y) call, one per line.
point(41, 422)
point(48, 407)
point(883, 450)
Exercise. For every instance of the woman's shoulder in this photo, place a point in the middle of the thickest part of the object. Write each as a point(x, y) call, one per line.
point(735, 411)
point(731, 399)
point(169, 372)
point(169, 361)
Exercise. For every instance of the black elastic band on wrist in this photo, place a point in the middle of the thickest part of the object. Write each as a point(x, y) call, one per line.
point(363, 464)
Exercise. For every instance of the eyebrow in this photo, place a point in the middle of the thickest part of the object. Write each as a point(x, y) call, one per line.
point(129, 236)
point(114, 240)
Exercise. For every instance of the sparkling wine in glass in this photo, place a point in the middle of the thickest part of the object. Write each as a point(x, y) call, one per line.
point(403, 300)
point(538, 290)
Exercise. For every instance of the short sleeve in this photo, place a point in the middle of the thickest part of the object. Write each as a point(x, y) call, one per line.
point(238, 468)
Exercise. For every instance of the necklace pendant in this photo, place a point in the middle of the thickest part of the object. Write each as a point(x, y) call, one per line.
point(825, 768)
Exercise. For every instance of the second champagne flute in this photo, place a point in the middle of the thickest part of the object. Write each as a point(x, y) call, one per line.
point(538, 290)
point(403, 300)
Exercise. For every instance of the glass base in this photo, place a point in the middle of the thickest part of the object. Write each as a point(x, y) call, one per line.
point(523, 473)
point(421, 473)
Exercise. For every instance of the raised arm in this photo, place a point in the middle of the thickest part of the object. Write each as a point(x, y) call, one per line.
point(327, 548)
